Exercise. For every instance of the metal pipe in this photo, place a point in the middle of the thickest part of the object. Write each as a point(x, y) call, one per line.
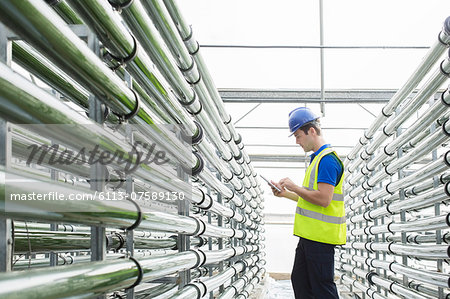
point(65, 11)
point(38, 101)
point(376, 279)
point(424, 200)
point(418, 238)
point(186, 34)
point(426, 185)
point(433, 54)
point(427, 91)
point(120, 41)
point(421, 224)
point(65, 50)
point(31, 60)
point(47, 32)
point(119, 214)
point(138, 20)
point(430, 87)
point(430, 170)
point(33, 97)
point(99, 16)
point(70, 280)
point(63, 260)
point(159, 176)
point(41, 241)
point(427, 172)
point(165, 25)
point(420, 125)
point(45, 70)
point(433, 141)
point(438, 110)
point(100, 276)
point(157, 267)
point(366, 290)
point(427, 252)
point(239, 284)
point(215, 281)
point(156, 291)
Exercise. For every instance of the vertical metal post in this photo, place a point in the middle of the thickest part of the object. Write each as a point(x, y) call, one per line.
point(210, 247)
point(6, 238)
point(130, 189)
point(220, 240)
point(5, 45)
point(437, 206)
point(322, 63)
point(54, 176)
point(98, 236)
point(377, 222)
point(184, 242)
point(402, 197)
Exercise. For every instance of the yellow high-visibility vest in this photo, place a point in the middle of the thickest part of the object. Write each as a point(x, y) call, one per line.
point(316, 223)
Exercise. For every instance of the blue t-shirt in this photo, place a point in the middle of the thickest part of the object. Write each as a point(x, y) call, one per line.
point(330, 169)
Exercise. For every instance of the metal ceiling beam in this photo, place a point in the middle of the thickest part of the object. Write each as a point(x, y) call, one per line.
point(287, 128)
point(278, 167)
point(280, 158)
point(231, 95)
point(292, 145)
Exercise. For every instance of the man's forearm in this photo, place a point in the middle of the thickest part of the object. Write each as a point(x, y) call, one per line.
point(313, 196)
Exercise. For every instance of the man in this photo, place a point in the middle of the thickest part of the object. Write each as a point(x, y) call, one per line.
point(320, 215)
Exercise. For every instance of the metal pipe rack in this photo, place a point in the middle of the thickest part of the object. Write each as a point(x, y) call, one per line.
point(397, 190)
point(121, 174)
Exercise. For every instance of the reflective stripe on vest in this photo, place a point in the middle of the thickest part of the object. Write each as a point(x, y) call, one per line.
point(321, 217)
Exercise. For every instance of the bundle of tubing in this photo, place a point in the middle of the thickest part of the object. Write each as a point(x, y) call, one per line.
point(393, 287)
point(72, 68)
point(159, 176)
point(185, 51)
point(45, 241)
point(121, 214)
point(436, 50)
point(432, 278)
point(122, 41)
point(23, 262)
point(72, 42)
point(398, 225)
point(210, 179)
point(115, 274)
point(366, 290)
point(200, 288)
point(39, 102)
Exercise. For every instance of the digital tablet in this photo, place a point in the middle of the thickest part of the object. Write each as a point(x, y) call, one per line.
point(270, 183)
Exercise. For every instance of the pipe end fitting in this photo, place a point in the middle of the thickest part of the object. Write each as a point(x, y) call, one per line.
point(198, 166)
point(198, 136)
point(369, 277)
point(446, 27)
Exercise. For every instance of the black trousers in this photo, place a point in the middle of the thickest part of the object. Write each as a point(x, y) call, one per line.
point(313, 272)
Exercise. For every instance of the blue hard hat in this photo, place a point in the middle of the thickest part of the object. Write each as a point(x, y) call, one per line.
point(299, 117)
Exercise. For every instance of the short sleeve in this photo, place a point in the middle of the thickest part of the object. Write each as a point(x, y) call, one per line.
point(330, 170)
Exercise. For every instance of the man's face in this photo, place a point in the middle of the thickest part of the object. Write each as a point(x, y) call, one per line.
point(303, 140)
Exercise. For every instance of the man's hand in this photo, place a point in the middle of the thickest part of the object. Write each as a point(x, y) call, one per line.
point(275, 191)
point(284, 192)
point(286, 183)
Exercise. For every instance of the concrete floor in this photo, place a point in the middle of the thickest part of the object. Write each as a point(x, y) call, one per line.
point(271, 288)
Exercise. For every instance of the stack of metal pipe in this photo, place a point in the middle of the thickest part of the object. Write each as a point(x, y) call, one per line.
point(122, 82)
point(397, 190)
